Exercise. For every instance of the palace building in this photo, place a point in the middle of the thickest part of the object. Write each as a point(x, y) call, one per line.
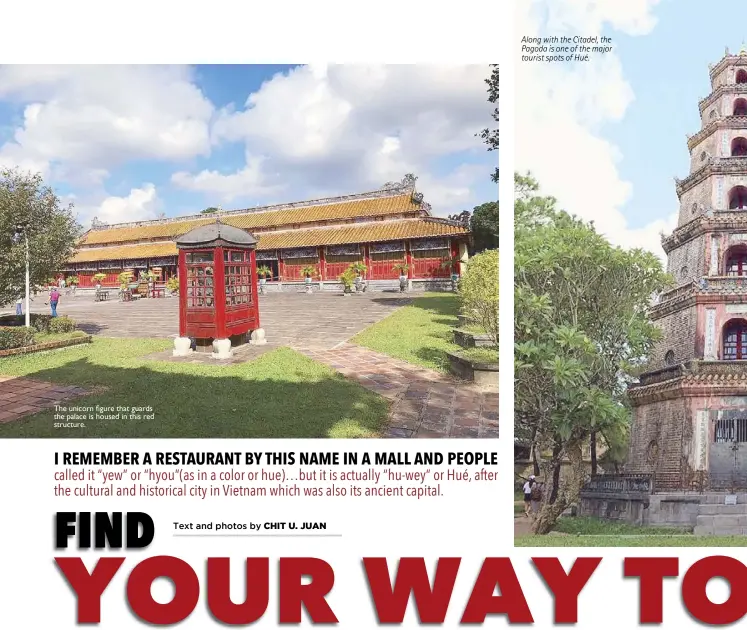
point(380, 229)
point(690, 409)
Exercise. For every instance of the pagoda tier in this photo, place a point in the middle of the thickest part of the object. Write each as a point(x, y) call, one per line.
point(690, 408)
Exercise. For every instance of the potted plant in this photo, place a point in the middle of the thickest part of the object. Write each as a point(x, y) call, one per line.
point(359, 269)
point(348, 280)
point(263, 271)
point(307, 272)
point(99, 277)
point(402, 268)
point(172, 285)
point(452, 263)
point(124, 279)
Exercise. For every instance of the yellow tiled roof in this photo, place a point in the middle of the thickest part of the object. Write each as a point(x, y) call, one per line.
point(363, 233)
point(125, 252)
point(380, 206)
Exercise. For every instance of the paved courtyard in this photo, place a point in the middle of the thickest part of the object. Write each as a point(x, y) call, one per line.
point(425, 403)
point(319, 320)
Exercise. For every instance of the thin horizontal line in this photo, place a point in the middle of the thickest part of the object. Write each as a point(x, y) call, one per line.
point(259, 535)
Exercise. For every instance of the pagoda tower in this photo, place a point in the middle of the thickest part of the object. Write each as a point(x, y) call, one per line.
point(690, 409)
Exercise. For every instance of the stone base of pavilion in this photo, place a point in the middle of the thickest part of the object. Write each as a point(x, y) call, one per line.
point(239, 354)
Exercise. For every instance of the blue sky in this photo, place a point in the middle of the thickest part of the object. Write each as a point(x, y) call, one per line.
point(134, 142)
point(668, 72)
point(606, 137)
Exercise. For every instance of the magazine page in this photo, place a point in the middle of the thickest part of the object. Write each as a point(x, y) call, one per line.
point(249, 345)
point(630, 402)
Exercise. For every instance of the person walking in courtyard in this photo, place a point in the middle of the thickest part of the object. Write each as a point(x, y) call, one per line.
point(528, 486)
point(19, 306)
point(54, 297)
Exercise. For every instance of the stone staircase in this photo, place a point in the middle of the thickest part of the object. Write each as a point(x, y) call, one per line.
point(715, 518)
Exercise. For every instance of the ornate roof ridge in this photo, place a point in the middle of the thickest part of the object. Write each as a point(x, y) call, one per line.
point(390, 189)
point(711, 220)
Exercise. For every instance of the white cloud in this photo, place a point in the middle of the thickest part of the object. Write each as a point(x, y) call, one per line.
point(247, 182)
point(85, 120)
point(140, 205)
point(560, 109)
point(321, 127)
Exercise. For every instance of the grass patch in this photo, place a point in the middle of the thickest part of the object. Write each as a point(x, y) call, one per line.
point(420, 333)
point(480, 355)
point(280, 394)
point(47, 337)
point(630, 541)
point(473, 328)
point(589, 526)
point(593, 532)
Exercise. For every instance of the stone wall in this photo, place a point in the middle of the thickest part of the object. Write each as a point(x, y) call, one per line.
point(658, 435)
point(662, 510)
point(679, 331)
point(687, 262)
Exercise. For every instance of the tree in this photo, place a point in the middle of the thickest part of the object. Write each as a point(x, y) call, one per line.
point(490, 136)
point(581, 329)
point(484, 226)
point(52, 232)
point(478, 290)
point(209, 210)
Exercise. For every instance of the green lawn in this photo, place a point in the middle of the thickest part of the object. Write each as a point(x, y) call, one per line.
point(47, 337)
point(591, 532)
point(630, 541)
point(280, 394)
point(419, 333)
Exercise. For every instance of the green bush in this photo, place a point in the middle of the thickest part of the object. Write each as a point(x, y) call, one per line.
point(478, 289)
point(61, 325)
point(348, 279)
point(172, 284)
point(15, 337)
point(41, 322)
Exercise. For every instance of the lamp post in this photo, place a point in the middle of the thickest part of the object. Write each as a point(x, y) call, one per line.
point(23, 231)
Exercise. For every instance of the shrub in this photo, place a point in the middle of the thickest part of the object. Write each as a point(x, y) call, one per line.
point(401, 268)
point(61, 325)
point(348, 279)
point(15, 337)
point(124, 279)
point(172, 284)
point(41, 322)
point(309, 271)
point(263, 271)
point(478, 289)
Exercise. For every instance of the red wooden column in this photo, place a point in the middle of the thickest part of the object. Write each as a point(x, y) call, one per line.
point(367, 259)
point(408, 254)
point(281, 266)
point(455, 267)
point(322, 263)
point(183, 293)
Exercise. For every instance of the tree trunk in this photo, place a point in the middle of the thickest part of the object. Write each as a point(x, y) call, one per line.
point(557, 465)
point(535, 459)
point(568, 494)
point(593, 447)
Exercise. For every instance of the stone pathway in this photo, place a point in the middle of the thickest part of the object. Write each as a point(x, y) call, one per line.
point(20, 396)
point(426, 403)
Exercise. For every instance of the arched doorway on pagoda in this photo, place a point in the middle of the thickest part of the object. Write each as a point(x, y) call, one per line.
point(734, 340)
point(740, 107)
point(738, 198)
point(735, 261)
point(739, 147)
